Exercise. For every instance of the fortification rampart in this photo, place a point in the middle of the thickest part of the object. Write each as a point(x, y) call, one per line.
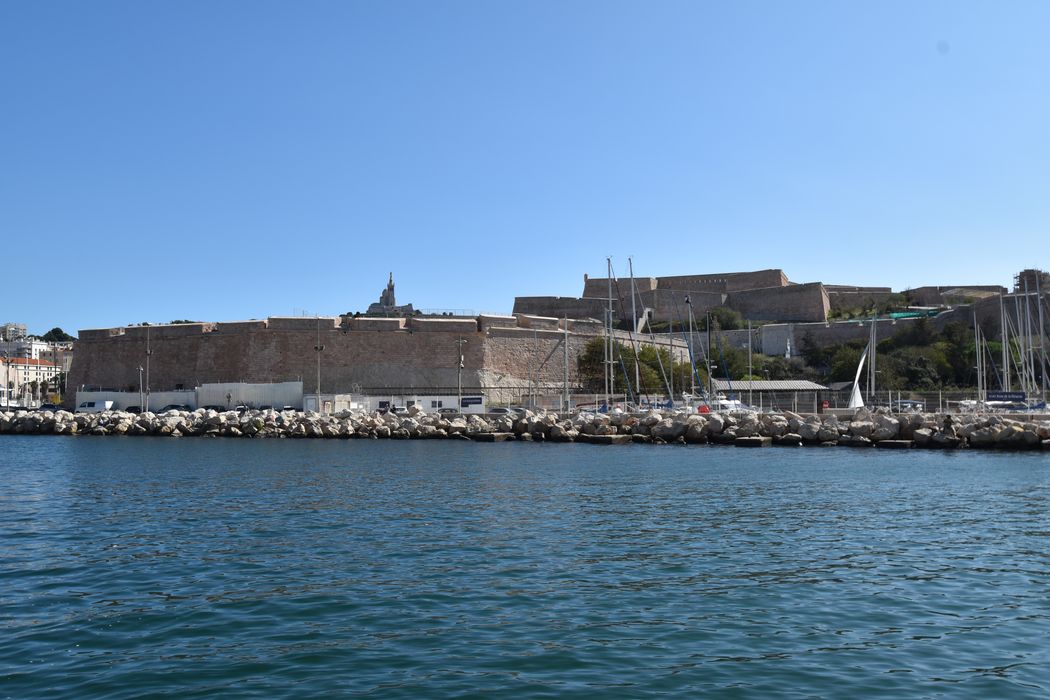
point(559, 307)
point(773, 339)
point(725, 281)
point(840, 300)
point(717, 283)
point(598, 287)
point(370, 355)
point(763, 295)
point(951, 295)
point(797, 302)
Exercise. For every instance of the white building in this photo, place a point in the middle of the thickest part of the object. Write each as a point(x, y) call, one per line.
point(32, 348)
point(18, 376)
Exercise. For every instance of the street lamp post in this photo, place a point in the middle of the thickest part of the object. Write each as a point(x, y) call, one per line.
point(7, 390)
point(459, 375)
point(140, 388)
point(149, 352)
point(33, 391)
point(319, 348)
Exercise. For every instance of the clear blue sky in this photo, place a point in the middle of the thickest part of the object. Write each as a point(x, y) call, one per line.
point(230, 160)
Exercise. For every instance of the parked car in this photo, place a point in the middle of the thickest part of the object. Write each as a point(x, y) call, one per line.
point(399, 410)
point(133, 409)
point(48, 407)
point(94, 406)
point(215, 407)
point(507, 411)
point(266, 407)
point(449, 411)
point(175, 407)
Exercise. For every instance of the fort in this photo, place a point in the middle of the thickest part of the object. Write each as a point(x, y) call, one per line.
point(394, 349)
point(761, 295)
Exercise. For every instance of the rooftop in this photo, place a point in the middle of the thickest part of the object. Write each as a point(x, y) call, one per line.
point(768, 385)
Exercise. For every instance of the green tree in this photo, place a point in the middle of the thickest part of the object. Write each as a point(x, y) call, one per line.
point(844, 362)
point(57, 335)
point(722, 317)
point(653, 368)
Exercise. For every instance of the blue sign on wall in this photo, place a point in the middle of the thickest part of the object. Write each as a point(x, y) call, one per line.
point(1006, 396)
point(471, 401)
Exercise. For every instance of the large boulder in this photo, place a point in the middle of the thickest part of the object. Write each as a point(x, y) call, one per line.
point(669, 429)
point(943, 440)
point(886, 428)
point(828, 432)
point(810, 432)
point(748, 424)
point(982, 437)
point(561, 434)
point(909, 423)
point(775, 425)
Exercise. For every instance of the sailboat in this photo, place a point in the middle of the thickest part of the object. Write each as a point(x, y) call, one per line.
point(855, 399)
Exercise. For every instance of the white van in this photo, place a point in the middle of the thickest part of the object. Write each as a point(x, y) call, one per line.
point(94, 406)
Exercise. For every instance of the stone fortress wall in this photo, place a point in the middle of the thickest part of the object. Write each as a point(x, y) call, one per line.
point(762, 295)
point(383, 354)
point(362, 354)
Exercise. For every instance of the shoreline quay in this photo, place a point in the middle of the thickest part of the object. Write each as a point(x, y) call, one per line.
point(742, 428)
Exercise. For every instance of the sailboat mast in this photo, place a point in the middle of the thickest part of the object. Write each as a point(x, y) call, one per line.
point(1004, 336)
point(750, 375)
point(670, 351)
point(692, 362)
point(1042, 338)
point(634, 327)
point(977, 351)
point(707, 356)
point(872, 396)
point(609, 387)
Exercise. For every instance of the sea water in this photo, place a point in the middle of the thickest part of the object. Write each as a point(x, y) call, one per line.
point(135, 567)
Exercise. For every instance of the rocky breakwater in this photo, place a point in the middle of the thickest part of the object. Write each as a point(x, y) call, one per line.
point(742, 428)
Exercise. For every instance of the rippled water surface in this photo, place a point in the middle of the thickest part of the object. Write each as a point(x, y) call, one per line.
point(192, 568)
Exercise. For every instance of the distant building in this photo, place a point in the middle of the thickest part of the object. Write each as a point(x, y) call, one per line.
point(13, 331)
point(387, 305)
point(1031, 281)
point(18, 375)
point(33, 348)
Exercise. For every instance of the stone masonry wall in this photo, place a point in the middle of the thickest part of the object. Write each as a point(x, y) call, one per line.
point(797, 302)
point(716, 283)
point(727, 282)
point(845, 300)
point(560, 306)
point(935, 295)
point(368, 360)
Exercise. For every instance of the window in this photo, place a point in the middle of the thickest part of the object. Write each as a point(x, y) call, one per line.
point(435, 404)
